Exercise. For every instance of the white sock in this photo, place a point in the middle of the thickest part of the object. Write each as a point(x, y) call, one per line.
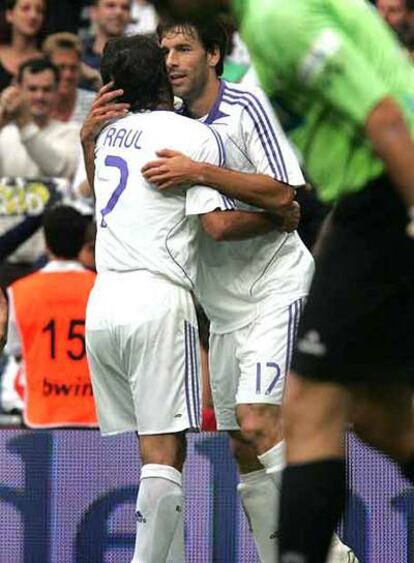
point(260, 500)
point(260, 493)
point(177, 547)
point(274, 460)
point(159, 505)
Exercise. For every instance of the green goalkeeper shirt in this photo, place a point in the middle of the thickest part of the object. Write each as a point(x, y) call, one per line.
point(328, 63)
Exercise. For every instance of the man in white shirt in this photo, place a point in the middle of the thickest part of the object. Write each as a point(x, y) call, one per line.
point(254, 290)
point(141, 324)
point(32, 144)
point(41, 146)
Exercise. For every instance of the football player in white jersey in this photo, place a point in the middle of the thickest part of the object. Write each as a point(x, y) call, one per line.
point(253, 291)
point(141, 325)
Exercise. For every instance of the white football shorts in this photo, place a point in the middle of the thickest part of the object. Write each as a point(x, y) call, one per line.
point(250, 365)
point(143, 352)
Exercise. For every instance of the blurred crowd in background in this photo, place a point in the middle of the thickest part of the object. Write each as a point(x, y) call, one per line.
point(50, 54)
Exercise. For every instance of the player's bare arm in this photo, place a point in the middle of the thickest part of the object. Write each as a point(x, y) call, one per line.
point(104, 109)
point(241, 225)
point(173, 169)
point(4, 314)
point(393, 143)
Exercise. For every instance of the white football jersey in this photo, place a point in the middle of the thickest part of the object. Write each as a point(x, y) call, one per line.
point(139, 226)
point(234, 277)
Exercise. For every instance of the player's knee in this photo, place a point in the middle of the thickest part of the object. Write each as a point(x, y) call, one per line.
point(164, 450)
point(260, 423)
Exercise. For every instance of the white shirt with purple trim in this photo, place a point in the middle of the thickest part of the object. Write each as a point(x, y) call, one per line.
point(236, 278)
point(140, 227)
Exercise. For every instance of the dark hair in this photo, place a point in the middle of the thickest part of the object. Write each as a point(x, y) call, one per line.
point(5, 27)
point(211, 34)
point(136, 64)
point(64, 229)
point(36, 65)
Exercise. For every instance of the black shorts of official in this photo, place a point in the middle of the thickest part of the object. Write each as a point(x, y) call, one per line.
point(358, 323)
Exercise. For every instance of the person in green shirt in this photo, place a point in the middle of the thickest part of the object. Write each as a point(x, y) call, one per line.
point(347, 88)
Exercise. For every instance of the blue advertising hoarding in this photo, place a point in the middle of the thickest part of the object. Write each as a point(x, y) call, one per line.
point(68, 496)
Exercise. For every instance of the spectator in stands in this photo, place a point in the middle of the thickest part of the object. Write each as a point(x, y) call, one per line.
point(39, 145)
point(394, 12)
point(48, 331)
point(144, 18)
point(20, 37)
point(65, 52)
point(110, 19)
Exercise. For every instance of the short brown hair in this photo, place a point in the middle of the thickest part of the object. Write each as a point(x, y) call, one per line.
point(62, 40)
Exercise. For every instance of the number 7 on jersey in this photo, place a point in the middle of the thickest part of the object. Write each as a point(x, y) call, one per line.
point(121, 164)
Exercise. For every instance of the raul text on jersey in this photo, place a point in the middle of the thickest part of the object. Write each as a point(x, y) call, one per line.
point(122, 138)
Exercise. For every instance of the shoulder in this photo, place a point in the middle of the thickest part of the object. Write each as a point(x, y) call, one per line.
point(26, 284)
point(250, 93)
point(87, 43)
point(9, 133)
point(191, 127)
point(59, 128)
point(247, 102)
point(87, 277)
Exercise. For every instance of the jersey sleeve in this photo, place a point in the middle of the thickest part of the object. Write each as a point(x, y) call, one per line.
point(202, 199)
point(265, 142)
point(320, 59)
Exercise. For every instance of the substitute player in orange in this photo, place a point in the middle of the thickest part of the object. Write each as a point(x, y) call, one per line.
point(47, 328)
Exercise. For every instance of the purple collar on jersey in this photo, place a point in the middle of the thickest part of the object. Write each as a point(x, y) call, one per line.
point(215, 112)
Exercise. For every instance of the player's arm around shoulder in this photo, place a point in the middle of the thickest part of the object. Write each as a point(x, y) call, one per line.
point(173, 169)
